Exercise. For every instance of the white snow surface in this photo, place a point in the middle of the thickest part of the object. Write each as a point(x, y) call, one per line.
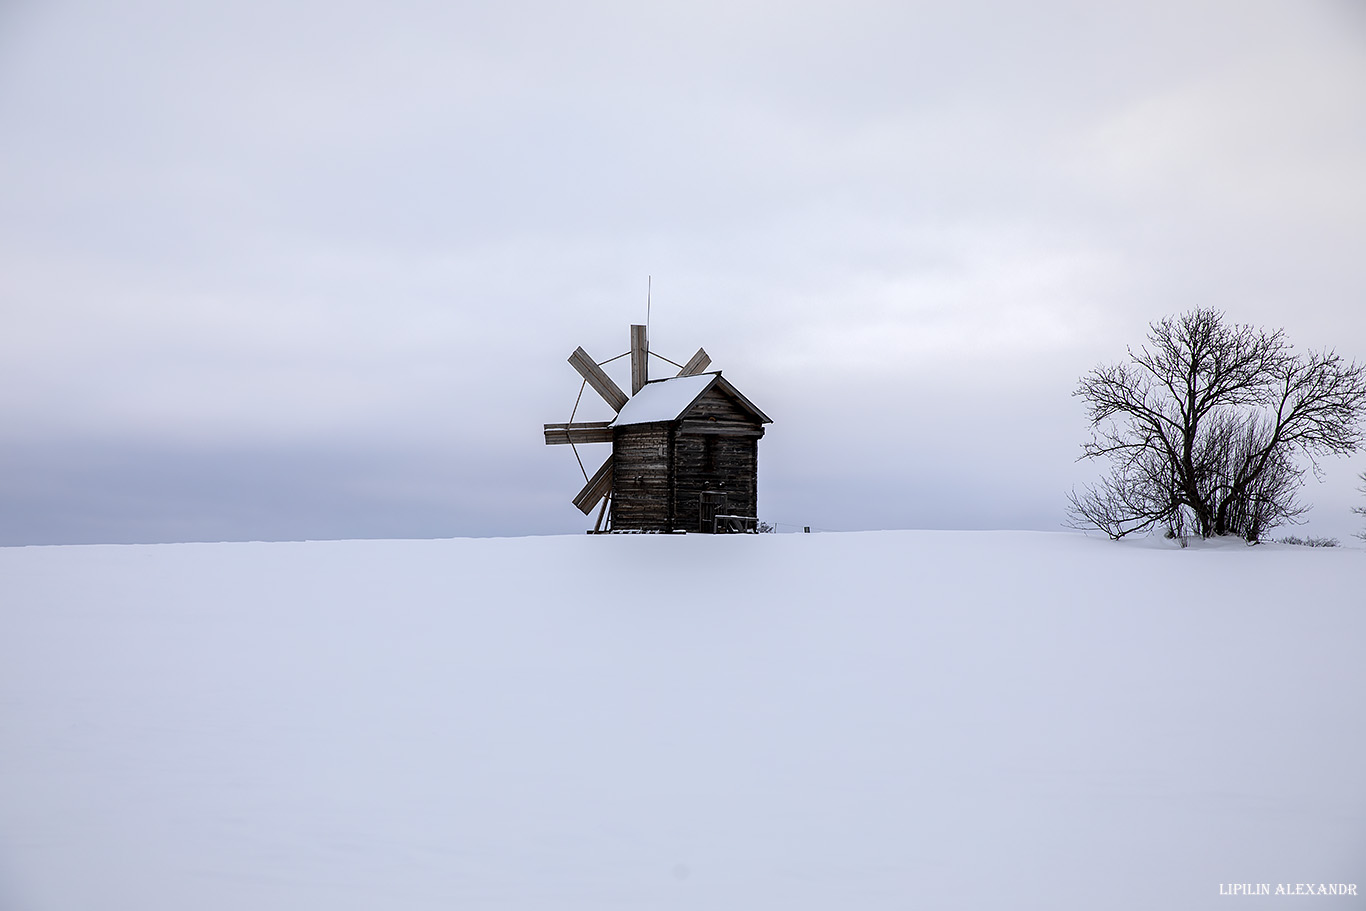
point(664, 400)
point(865, 721)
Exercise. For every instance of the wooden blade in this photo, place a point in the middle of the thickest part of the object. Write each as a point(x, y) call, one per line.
point(590, 371)
point(699, 362)
point(597, 526)
point(579, 432)
point(640, 370)
point(598, 486)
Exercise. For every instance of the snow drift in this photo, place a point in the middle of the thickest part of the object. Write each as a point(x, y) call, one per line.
point(873, 720)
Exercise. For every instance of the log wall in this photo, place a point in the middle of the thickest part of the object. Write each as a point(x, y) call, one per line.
point(641, 477)
point(662, 470)
point(714, 463)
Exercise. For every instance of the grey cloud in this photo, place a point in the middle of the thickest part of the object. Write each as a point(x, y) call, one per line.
point(332, 258)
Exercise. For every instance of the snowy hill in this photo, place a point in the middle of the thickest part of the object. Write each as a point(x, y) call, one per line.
point(864, 721)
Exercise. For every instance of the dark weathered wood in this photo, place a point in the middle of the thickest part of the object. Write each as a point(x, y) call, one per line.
point(730, 524)
point(578, 432)
point(597, 487)
point(706, 465)
point(590, 371)
point(723, 387)
point(715, 454)
point(640, 492)
point(719, 412)
point(696, 364)
point(719, 429)
point(671, 475)
point(710, 503)
point(716, 403)
point(640, 370)
point(670, 483)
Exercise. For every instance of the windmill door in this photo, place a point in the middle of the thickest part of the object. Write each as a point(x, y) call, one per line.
point(713, 502)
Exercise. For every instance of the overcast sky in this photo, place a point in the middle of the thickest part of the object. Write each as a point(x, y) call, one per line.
point(286, 269)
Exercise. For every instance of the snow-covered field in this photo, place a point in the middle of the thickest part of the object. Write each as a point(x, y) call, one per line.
point(856, 721)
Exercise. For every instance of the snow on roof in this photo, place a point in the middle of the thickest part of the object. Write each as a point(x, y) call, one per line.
point(664, 400)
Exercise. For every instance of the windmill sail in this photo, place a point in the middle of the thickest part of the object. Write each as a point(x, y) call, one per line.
point(598, 486)
point(697, 364)
point(601, 382)
point(580, 432)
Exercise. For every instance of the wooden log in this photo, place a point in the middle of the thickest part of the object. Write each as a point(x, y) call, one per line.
point(601, 382)
point(578, 432)
point(597, 487)
point(640, 348)
point(706, 428)
point(721, 405)
point(697, 364)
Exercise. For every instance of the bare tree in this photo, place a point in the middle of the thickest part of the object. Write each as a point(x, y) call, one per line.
point(1202, 427)
point(1361, 510)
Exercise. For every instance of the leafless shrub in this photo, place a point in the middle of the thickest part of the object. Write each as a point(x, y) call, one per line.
point(1310, 541)
point(1361, 510)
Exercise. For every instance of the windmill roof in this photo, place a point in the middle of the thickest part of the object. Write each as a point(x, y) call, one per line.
point(670, 399)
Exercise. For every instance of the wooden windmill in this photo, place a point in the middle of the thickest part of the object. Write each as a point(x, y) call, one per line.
point(684, 448)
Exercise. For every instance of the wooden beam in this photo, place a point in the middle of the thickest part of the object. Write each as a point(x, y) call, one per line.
point(597, 526)
point(597, 487)
point(578, 432)
point(699, 362)
point(601, 382)
point(707, 428)
point(640, 370)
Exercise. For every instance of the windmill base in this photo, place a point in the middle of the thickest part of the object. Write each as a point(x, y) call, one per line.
point(633, 531)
